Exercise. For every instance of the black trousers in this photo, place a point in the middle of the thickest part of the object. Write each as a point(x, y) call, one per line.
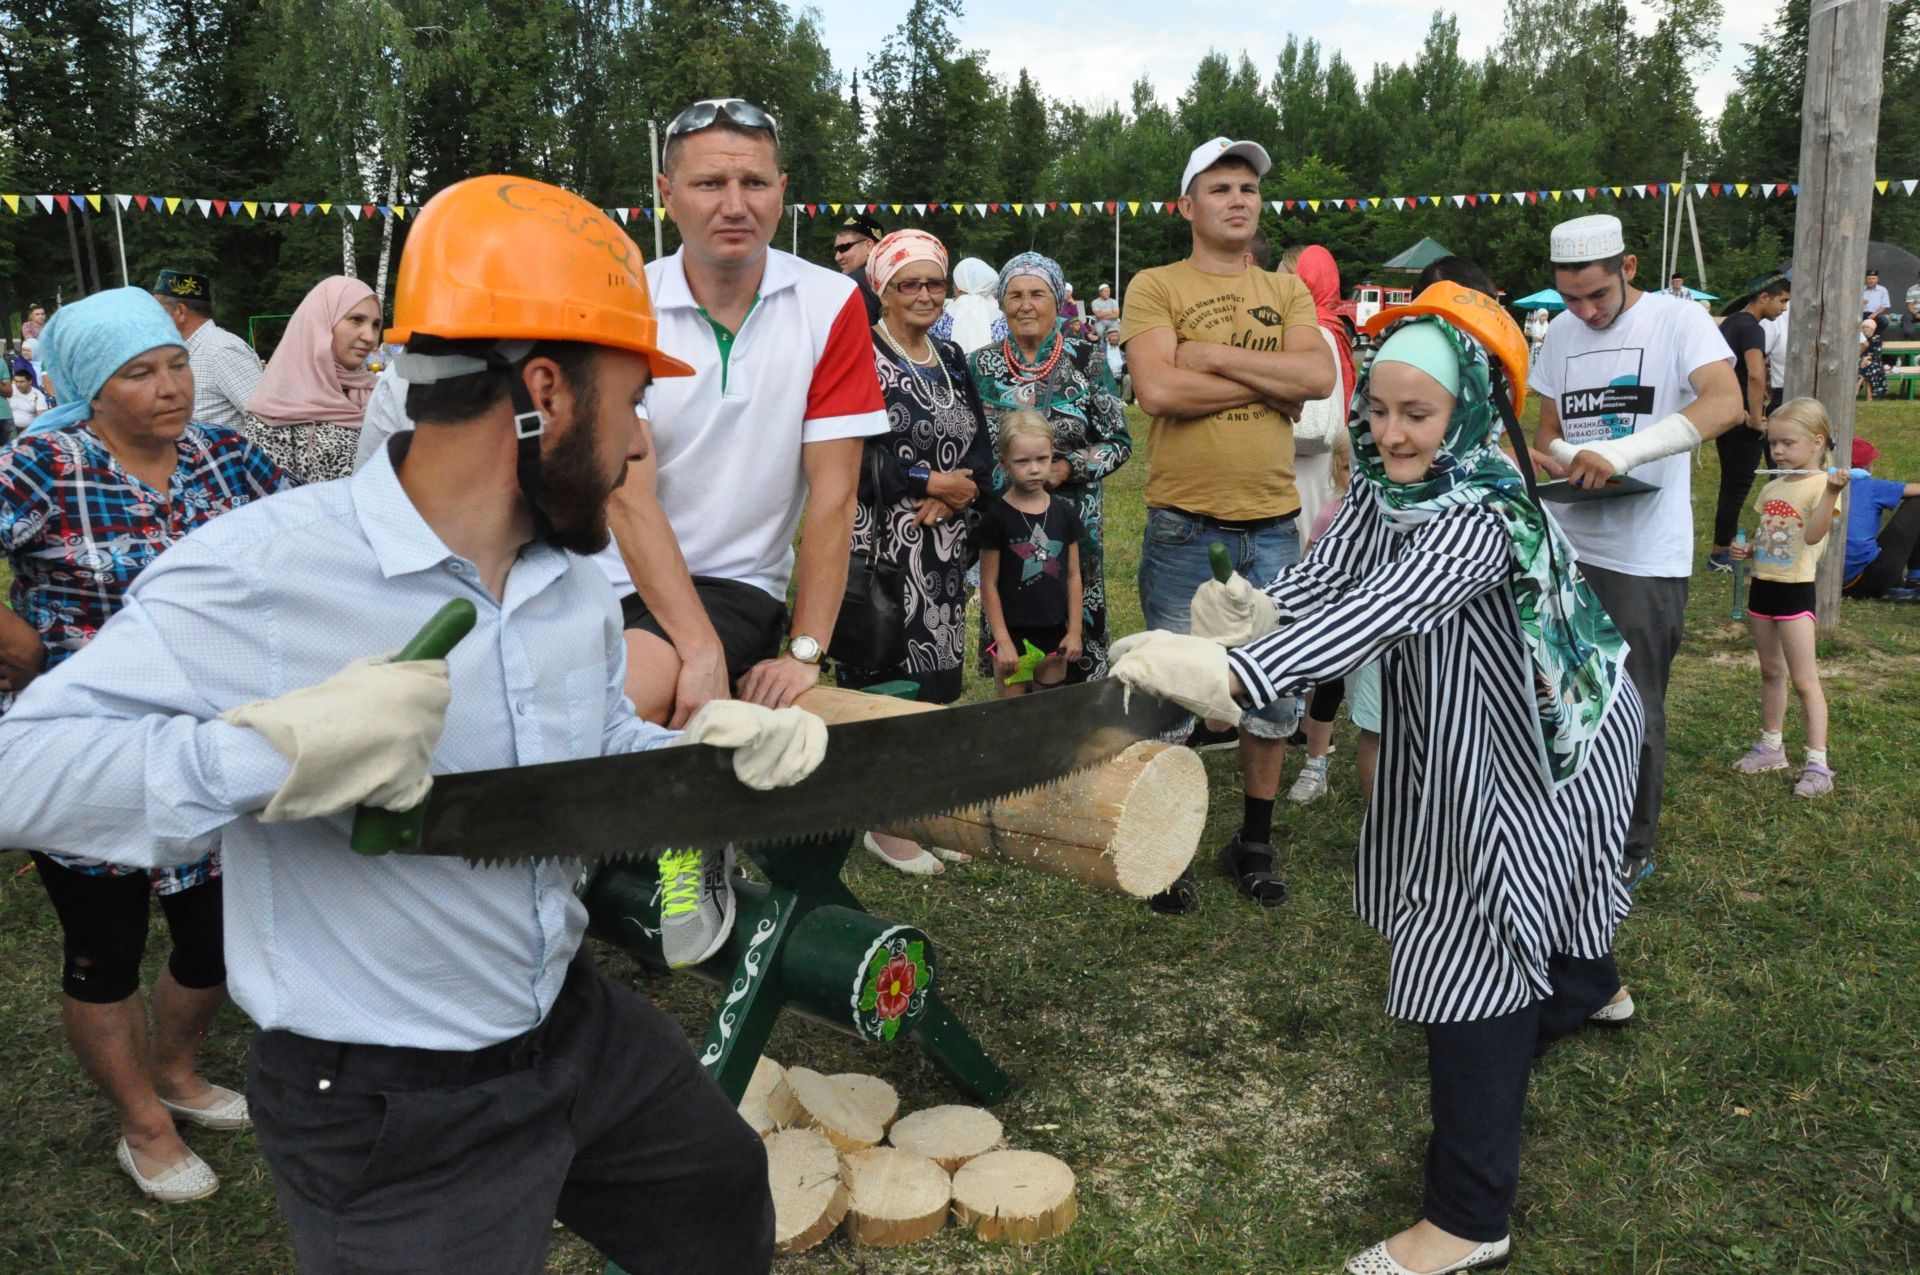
point(1651, 613)
point(1899, 553)
point(424, 1162)
point(1741, 450)
point(1478, 1076)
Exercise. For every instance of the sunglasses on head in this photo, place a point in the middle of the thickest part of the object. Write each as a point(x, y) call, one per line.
point(702, 114)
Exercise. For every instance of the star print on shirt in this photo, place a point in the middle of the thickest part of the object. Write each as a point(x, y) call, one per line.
point(1038, 555)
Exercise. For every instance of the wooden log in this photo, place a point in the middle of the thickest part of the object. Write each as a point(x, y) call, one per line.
point(1131, 824)
point(822, 1103)
point(1014, 1197)
point(870, 1095)
point(949, 1136)
point(809, 1196)
point(768, 1103)
point(895, 1197)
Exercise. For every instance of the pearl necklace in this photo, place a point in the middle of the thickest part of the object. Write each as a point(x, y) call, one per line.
point(933, 360)
point(1031, 372)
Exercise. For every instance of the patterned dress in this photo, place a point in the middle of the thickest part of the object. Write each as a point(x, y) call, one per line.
point(312, 451)
point(924, 429)
point(78, 527)
point(1090, 430)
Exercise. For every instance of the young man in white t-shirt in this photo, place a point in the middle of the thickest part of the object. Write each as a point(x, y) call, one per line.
point(1630, 380)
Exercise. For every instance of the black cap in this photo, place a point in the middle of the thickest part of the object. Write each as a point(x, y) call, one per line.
point(183, 285)
point(866, 224)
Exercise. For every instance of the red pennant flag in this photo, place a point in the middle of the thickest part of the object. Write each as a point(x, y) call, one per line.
point(1292, 204)
point(1652, 190)
point(1173, 205)
point(219, 207)
point(294, 209)
point(65, 203)
point(993, 207)
point(1473, 201)
point(1533, 197)
point(1353, 203)
point(142, 201)
point(1108, 205)
point(1052, 207)
point(1715, 188)
point(1593, 190)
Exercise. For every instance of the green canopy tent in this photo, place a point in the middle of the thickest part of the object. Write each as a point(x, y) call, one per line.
point(1419, 257)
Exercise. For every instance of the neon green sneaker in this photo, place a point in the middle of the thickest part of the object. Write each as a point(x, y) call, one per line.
point(695, 896)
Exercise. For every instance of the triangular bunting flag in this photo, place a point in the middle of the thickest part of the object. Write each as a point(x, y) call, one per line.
point(142, 201)
point(253, 208)
point(621, 213)
point(836, 208)
point(1353, 203)
point(979, 210)
point(1173, 206)
point(1615, 190)
point(1699, 190)
point(125, 201)
point(1459, 201)
point(1400, 202)
point(353, 210)
point(400, 211)
point(1879, 186)
point(1579, 195)
point(1019, 210)
point(1910, 183)
point(1075, 208)
point(1739, 189)
point(1714, 187)
point(921, 209)
point(873, 208)
point(1496, 196)
point(896, 209)
point(13, 202)
point(297, 208)
point(279, 209)
point(1039, 210)
point(1766, 191)
point(65, 202)
point(205, 206)
point(1473, 201)
point(1314, 204)
point(1133, 209)
point(93, 201)
point(173, 204)
point(1796, 190)
point(219, 207)
point(1653, 190)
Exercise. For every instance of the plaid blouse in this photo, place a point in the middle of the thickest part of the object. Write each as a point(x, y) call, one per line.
point(77, 528)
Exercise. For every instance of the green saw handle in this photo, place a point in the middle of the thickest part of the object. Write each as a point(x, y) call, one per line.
point(377, 831)
point(1222, 564)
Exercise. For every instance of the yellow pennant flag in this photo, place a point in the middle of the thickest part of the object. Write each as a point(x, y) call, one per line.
point(1019, 210)
point(836, 209)
point(1615, 190)
point(400, 211)
point(13, 202)
point(1133, 208)
point(1740, 188)
point(1076, 207)
point(1314, 204)
point(325, 209)
point(1881, 187)
point(1496, 196)
point(93, 201)
point(895, 207)
point(1556, 195)
point(252, 207)
point(173, 203)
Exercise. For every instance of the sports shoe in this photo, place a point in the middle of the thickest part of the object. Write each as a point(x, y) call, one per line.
point(1634, 870)
point(1311, 784)
point(1762, 758)
point(1720, 560)
point(695, 895)
point(1815, 781)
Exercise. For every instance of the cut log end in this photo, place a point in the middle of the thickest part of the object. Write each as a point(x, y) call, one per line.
point(895, 1197)
point(949, 1136)
point(1157, 829)
point(823, 1103)
point(809, 1197)
point(768, 1103)
point(1014, 1197)
point(871, 1096)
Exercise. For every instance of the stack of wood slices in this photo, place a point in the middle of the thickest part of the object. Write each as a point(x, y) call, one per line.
point(841, 1157)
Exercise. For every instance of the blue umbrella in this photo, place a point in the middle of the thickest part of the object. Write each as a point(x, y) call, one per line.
point(1545, 299)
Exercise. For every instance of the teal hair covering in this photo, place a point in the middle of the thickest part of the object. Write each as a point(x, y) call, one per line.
point(1423, 346)
point(87, 341)
point(1576, 654)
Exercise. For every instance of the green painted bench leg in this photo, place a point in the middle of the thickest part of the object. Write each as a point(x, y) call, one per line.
point(945, 1040)
point(753, 996)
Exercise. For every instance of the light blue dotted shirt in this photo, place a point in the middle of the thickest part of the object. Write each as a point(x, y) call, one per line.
point(117, 753)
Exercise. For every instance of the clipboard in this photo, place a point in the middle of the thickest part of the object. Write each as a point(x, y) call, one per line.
point(1560, 492)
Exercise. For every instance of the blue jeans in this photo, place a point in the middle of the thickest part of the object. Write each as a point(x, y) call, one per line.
point(1173, 564)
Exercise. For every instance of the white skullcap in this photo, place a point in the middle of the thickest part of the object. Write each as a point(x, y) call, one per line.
point(1592, 238)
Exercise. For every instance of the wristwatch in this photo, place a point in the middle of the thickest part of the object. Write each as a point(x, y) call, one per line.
point(805, 649)
point(917, 476)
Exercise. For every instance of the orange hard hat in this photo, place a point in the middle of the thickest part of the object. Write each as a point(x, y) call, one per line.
point(1480, 317)
point(512, 259)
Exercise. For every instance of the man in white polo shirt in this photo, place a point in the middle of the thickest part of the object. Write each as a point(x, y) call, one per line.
point(1631, 380)
point(772, 420)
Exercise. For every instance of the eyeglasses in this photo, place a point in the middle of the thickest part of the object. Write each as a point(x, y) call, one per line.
point(842, 249)
point(914, 287)
point(702, 114)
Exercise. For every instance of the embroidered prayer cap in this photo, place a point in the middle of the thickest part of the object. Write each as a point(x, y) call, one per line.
point(865, 225)
point(183, 285)
point(1584, 239)
point(1207, 154)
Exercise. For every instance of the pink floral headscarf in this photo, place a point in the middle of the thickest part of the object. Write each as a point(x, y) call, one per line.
point(903, 248)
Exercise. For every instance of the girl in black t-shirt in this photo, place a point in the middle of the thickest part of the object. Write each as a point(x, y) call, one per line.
point(1030, 562)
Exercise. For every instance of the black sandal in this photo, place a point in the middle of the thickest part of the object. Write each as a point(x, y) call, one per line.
point(1251, 867)
point(1177, 899)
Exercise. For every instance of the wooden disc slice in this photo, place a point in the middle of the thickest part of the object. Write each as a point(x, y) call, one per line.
point(1014, 1197)
point(809, 1197)
point(896, 1197)
point(768, 1103)
point(871, 1095)
point(949, 1136)
point(823, 1103)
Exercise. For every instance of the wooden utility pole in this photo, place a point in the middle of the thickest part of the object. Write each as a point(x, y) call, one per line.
point(1839, 128)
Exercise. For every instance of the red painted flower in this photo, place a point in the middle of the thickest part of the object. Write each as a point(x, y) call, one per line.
point(895, 988)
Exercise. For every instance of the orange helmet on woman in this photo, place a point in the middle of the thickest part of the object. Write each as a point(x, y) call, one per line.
point(1480, 317)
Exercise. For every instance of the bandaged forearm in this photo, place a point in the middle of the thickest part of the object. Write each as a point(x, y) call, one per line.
point(1670, 437)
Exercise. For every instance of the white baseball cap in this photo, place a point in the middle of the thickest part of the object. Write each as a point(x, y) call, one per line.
point(1583, 239)
point(1207, 154)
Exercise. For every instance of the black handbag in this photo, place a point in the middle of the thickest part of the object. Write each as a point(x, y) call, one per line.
point(871, 632)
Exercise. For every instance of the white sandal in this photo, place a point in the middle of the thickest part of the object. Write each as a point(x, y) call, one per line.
point(1615, 1012)
point(921, 865)
point(191, 1179)
point(229, 1112)
point(1376, 1261)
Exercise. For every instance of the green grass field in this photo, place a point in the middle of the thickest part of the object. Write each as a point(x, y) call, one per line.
point(1225, 1083)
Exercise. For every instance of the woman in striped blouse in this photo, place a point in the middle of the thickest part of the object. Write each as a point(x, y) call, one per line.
point(1490, 855)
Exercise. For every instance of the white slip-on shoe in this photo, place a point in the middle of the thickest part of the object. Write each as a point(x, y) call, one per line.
point(1375, 1261)
point(1613, 1013)
point(229, 1111)
point(921, 865)
point(191, 1179)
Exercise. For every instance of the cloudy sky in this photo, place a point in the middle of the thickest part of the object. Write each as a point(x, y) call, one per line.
point(1093, 50)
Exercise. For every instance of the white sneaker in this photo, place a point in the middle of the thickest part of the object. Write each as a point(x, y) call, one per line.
point(696, 905)
point(1311, 785)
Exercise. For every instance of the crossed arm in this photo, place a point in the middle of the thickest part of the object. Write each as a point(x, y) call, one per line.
point(1174, 378)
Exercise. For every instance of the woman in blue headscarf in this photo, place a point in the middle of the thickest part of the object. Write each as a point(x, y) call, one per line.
point(1035, 364)
point(95, 491)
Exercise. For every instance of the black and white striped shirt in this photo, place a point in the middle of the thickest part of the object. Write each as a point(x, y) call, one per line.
point(1473, 869)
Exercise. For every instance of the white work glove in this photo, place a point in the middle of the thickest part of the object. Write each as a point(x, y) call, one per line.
point(772, 747)
point(1670, 437)
point(1190, 671)
point(1234, 613)
point(362, 737)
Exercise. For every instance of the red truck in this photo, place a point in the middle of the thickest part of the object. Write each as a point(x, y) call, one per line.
point(1363, 303)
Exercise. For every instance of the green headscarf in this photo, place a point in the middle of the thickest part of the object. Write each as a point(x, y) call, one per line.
point(1575, 651)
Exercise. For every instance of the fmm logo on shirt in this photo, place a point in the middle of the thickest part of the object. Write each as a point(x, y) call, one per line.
point(1609, 400)
point(1603, 397)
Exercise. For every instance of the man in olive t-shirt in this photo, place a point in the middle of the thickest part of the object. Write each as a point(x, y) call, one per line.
point(1223, 355)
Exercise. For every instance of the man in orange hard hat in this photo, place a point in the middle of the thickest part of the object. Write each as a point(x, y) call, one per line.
point(440, 1073)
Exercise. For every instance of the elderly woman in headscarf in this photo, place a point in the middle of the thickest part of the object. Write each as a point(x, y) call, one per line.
point(970, 316)
point(1490, 855)
point(313, 395)
point(92, 495)
point(1037, 365)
